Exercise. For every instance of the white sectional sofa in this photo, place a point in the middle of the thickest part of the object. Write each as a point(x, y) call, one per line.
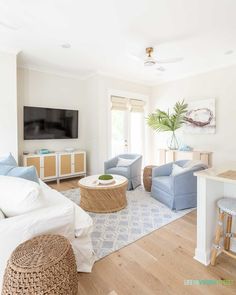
point(58, 215)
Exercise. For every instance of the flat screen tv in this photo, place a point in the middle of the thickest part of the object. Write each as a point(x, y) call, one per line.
point(46, 123)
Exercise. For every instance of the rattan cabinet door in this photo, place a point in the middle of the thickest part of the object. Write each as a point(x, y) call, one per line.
point(34, 161)
point(65, 164)
point(50, 166)
point(79, 160)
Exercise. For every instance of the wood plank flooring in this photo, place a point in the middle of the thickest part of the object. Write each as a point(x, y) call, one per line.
point(157, 264)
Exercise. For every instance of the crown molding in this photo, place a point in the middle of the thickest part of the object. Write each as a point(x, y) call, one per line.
point(52, 72)
point(194, 74)
point(111, 75)
point(91, 75)
point(13, 51)
point(83, 77)
point(120, 77)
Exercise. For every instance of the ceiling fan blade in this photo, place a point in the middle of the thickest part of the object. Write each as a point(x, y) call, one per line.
point(169, 60)
point(135, 57)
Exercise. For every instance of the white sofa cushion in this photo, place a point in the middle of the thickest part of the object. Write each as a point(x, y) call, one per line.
point(19, 196)
point(2, 216)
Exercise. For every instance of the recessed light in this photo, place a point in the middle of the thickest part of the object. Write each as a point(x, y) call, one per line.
point(228, 52)
point(66, 45)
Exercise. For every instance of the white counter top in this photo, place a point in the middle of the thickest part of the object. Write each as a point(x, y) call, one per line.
point(213, 173)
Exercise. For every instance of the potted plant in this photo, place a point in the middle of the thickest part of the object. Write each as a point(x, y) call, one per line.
point(105, 179)
point(161, 121)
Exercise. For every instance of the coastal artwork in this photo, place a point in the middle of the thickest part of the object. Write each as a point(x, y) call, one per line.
point(200, 118)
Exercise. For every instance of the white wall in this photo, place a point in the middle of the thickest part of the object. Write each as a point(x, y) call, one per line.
point(90, 97)
point(8, 104)
point(49, 90)
point(219, 84)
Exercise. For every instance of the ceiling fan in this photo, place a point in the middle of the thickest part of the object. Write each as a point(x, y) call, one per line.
point(151, 61)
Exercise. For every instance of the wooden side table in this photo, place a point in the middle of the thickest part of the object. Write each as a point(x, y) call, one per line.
point(147, 177)
point(167, 156)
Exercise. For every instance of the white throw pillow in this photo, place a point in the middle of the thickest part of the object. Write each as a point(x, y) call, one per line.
point(124, 162)
point(2, 216)
point(19, 196)
point(193, 163)
point(176, 169)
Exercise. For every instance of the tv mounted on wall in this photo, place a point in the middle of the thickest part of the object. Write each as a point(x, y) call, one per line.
point(46, 123)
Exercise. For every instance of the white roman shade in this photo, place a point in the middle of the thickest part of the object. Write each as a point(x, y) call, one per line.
point(119, 103)
point(137, 105)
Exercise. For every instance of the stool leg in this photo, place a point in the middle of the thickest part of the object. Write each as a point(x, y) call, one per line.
point(217, 237)
point(228, 232)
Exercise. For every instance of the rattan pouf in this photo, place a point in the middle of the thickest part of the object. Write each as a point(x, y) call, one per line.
point(43, 265)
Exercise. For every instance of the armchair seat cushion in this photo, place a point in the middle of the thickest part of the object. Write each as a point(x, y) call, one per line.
point(123, 171)
point(163, 183)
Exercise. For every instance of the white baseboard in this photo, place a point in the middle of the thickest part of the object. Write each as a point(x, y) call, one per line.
point(202, 256)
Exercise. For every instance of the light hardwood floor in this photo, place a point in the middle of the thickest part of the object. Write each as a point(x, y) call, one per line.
point(156, 264)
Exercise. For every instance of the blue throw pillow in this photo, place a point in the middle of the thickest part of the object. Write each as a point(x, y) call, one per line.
point(5, 169)
point(8, 159)
point(28, 173)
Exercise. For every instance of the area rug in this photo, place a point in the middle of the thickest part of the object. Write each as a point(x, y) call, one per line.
point(113, 231)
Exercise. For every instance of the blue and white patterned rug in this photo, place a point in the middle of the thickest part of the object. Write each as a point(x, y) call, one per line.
point(113, 231)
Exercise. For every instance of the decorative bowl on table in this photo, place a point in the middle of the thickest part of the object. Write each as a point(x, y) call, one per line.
point(105, 179)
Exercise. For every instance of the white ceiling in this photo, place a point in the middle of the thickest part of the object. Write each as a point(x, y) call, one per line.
point(103, 34)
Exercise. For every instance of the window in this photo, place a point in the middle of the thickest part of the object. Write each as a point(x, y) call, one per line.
point(127, 125)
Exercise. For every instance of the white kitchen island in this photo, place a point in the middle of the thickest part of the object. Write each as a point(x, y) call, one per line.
point(211, 186)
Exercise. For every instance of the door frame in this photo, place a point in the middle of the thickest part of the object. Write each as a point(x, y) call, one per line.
point(129, 95)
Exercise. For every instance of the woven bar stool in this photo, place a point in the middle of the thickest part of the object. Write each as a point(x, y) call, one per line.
point(44, 265)
point(227, 207)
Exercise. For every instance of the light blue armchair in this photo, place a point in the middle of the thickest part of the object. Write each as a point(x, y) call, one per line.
point(132, 172)
point(179, 191)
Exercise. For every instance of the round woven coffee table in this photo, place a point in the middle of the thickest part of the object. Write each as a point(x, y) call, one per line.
point(103, 198)
point(44, 265)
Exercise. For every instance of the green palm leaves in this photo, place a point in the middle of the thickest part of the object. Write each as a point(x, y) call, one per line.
point(161, 121)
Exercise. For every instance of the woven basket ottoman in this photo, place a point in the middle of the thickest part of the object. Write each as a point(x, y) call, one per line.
point(44, 265)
